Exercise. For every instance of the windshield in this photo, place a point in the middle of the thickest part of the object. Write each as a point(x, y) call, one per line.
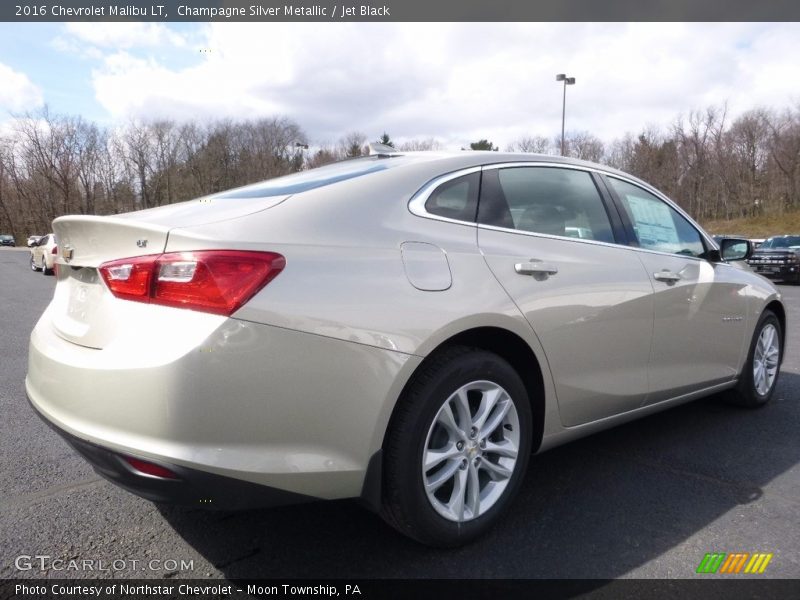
point(308, 180)
point(781, 242)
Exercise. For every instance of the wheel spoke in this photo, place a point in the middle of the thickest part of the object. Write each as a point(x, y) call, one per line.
point(442, 476)
point(771, 358)
point(494, 422)
point(505, 448)
point(496, 472)
point(435, 457)
point(473, 491)
point(770, 336)
point(457, 497)
point(759, 379)
point(447, 420)
point(462, 408)
point(488, 402)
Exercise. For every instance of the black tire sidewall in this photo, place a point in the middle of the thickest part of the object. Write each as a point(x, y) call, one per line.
point(475, 366)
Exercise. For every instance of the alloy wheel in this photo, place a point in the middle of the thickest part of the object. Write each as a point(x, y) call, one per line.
point(471, 451)
point(765, 359)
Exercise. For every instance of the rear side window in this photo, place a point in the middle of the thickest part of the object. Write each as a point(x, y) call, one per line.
point(456, 199)
point(656, 224)
point(549, 200)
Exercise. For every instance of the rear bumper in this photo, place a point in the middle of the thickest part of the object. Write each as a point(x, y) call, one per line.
point(190, 487)
point(220, 401)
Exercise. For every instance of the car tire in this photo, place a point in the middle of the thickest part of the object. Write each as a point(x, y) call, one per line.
point(759, 375)
point(45, 270)
point(33, 264)
point(474, 475)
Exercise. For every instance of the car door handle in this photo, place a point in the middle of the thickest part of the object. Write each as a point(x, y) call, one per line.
point(667, 276)
point(535, 268)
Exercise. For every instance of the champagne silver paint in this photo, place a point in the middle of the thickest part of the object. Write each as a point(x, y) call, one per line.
point(591, 303)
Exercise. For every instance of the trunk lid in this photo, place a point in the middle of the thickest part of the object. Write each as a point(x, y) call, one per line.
point(83, 310)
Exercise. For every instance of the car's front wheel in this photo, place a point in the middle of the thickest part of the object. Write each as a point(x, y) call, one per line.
point(33, 264)
point(457, 449)
point(760, 373)
point(45, 270)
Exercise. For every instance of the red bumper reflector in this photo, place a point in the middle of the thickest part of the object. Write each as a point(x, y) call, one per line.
point(148, 468)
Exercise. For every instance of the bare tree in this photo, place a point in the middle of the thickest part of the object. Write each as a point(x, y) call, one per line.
point(537, 144)
point(421, 145)
point(583, 145)
point(352, 144)
point(784, 148)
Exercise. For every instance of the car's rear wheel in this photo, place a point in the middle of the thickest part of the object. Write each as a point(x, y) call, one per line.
point(457, 449)
point(760, 373)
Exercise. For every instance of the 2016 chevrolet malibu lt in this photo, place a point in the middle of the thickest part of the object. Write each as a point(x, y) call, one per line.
point(406, 329)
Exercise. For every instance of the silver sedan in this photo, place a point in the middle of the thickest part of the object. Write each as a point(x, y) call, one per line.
point(405, 329)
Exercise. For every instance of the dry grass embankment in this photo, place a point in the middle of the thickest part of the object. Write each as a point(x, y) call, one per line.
point(762, 226)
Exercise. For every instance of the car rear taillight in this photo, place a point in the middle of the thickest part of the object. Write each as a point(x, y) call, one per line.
point(215, 281)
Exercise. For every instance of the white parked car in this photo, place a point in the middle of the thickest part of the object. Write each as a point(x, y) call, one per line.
point(43, 254)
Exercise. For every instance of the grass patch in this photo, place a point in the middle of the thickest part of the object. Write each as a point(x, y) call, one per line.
point(762, 226)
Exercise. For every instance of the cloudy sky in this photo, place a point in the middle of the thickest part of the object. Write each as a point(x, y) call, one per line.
point(457, 82)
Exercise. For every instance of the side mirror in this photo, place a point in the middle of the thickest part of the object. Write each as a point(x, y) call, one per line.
point(732, 249)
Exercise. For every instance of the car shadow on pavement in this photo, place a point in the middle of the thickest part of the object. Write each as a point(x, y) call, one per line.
point(600, 507)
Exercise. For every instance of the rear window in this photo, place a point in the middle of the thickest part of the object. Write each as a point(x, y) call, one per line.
point(314, 178)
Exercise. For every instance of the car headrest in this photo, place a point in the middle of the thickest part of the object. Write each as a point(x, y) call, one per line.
point(543, 219)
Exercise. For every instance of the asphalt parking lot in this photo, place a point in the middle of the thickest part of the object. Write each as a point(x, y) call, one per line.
point(644, 500)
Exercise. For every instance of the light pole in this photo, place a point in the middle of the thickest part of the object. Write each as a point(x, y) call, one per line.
point(567, 81)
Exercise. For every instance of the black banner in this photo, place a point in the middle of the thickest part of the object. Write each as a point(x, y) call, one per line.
point(399, 10)
point(733, 588)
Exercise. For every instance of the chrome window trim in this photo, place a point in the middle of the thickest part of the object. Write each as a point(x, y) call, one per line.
point(416, 205)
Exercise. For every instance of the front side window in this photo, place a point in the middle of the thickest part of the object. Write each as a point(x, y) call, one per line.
point(548, 200)
point(656, 224)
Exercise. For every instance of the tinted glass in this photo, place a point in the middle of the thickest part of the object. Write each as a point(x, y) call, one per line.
point(787, 241)
point(456, 199)
point(656, 224)
point(549, 200)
